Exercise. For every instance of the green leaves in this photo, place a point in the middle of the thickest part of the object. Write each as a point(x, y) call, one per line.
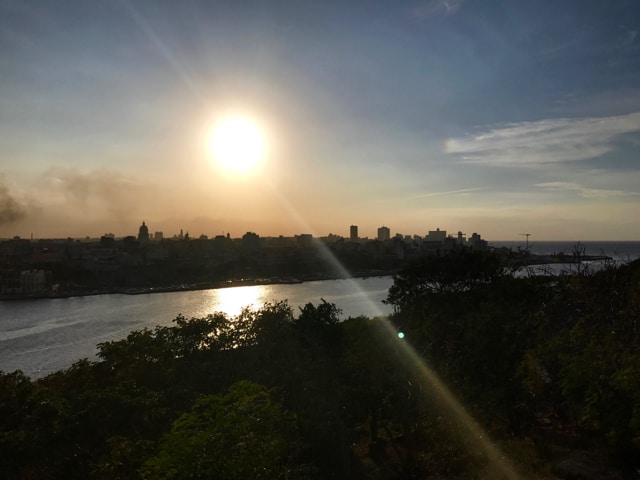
point(245, 433)
point(268, 395)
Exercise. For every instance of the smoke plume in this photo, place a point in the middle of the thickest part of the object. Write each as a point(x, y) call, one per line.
point(10, 209)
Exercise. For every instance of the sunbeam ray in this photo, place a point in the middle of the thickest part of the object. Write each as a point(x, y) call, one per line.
point(474, 436)
point(164, 50)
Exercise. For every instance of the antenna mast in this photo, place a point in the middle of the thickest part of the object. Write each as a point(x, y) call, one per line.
point(527, 235)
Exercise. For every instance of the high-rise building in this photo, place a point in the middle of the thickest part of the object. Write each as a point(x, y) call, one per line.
point(353, 232)
point(384, 234)
point(436, 235)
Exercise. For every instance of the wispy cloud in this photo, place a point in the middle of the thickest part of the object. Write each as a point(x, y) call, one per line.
point(628, 36)
point(544, 141)
point(584, 191)
point(437, 8)
point(463, 191)
point(409, 198)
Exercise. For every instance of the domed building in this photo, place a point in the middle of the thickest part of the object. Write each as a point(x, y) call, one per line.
point(143, 233)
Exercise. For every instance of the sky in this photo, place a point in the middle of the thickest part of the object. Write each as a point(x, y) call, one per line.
point(496, 117)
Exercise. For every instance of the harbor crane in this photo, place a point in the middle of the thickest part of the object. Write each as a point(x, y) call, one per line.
point(526, 235)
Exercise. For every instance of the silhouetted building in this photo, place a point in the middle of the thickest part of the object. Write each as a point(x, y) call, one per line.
point(476, 241)
point(34, 281)
point(221, 244)
point(384, 234)
point(107, 240)
point(304, 239)
point(15, 249)
point(436, 235)
point(129, 241)
point(157, 236)
point(47, 251)
point(143, 233)
point(353, 232)
point(250, 241)
point(10, 281)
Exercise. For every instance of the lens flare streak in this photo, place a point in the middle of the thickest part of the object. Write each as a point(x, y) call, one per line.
point(499, 467)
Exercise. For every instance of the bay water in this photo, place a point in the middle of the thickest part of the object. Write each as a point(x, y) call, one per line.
point(45, 335)
point(620, 251)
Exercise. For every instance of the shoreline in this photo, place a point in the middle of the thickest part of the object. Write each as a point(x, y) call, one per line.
point(555, 259)
point(530, 260)
point(188, 287)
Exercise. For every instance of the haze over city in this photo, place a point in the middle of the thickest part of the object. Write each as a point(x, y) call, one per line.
point(293, 117)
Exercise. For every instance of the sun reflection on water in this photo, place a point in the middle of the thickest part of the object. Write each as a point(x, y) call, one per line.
point(232, 300)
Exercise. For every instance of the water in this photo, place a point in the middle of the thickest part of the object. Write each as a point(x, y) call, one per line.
point(619, 251)
point(46, 335)
point(42, 336)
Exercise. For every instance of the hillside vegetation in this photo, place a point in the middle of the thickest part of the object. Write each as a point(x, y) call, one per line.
point(548, 367)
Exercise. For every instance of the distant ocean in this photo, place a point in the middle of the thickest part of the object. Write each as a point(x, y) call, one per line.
point(619, 251)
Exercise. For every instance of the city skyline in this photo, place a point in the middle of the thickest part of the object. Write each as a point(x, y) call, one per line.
point(475, 116)
point(156, 235)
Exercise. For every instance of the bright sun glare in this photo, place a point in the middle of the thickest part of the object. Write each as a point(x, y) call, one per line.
point(238, 144)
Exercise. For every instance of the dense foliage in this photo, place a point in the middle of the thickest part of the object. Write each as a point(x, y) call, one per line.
point(549, 366)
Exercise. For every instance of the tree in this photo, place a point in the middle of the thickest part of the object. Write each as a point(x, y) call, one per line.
point(455, 271)
point(245, 433)
point(318, 326)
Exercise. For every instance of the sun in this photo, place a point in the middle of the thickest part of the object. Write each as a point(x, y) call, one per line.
point(238, 145)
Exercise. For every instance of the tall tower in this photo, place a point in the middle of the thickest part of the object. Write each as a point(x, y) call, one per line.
point(384, 233)
point(353, 232)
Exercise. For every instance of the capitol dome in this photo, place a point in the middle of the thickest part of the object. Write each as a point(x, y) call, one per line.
point(143, 233)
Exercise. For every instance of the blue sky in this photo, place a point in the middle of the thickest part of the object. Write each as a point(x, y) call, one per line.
point(497, 117)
